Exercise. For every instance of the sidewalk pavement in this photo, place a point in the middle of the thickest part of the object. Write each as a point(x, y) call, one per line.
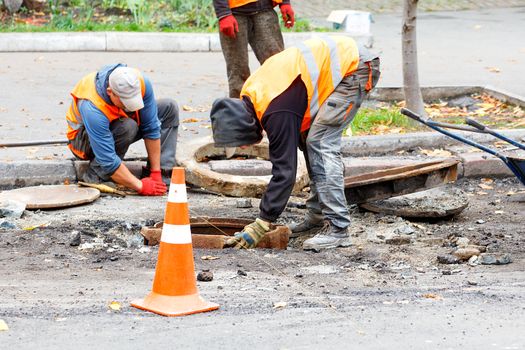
point(456, 48)
point(134, 42)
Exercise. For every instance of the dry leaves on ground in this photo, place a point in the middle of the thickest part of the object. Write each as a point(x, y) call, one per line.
point(436, 152)
point(115, 306)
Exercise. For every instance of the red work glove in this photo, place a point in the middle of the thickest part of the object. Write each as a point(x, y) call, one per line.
point(151, 187)
point(228, 26)
point(288, 15)
point(156, 175)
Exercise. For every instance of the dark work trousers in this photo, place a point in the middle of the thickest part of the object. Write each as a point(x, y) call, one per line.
point(126, 132)
point(260, 30)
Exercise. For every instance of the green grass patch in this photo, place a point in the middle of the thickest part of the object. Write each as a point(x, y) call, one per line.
point(124, 15)
point(373, 121)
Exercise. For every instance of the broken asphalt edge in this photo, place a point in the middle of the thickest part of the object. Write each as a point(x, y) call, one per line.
point(136, 42)
point(51, 172)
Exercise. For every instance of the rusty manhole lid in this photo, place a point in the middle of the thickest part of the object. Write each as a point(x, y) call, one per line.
point(211, 233)
point(54, 196)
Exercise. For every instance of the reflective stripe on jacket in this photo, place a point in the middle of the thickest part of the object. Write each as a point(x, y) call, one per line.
point(86, 90)
point(239, 3)
point(321, 62)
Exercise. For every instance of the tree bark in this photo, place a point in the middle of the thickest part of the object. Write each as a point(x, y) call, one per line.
point(13, 5)
point(413, 97)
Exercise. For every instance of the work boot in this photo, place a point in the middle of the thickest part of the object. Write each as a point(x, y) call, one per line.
point(329, 236)
point(310, 224)
point(90, 176)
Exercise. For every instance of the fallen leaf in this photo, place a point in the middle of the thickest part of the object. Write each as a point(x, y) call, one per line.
point(487, 180)
point(431, 296)
point(486, 187)
point(493, 69)
point(191, 120)
point(436, 152)
point(421, 227)
point(209, 257)
point(30, 228)
point(511, 193)
point(280, 305)
point(499, 212)
point(187, 108)
point(114, 305)
point(500, 144)
point(3, 326)
point(481, 193)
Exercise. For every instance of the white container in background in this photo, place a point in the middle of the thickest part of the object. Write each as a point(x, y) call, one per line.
point(354, 22)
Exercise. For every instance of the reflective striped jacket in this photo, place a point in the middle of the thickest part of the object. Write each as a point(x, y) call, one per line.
point(86, 90)
point(322, 64)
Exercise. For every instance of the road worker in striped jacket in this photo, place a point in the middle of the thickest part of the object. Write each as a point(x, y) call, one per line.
point(302, 97)
point(110, 110)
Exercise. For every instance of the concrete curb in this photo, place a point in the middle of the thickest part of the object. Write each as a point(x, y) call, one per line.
point(135, 42)
point(356, 150)
point(433, 93)
point(388, 144)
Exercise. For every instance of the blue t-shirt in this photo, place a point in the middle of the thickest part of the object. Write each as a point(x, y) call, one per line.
point(97, 124)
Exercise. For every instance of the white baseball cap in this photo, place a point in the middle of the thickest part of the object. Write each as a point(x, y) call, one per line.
point(125, 83)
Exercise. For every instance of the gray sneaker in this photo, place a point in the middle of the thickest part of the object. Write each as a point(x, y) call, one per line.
point(310, 224)
point(328, 237)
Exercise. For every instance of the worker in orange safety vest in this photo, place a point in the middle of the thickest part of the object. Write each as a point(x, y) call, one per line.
point(302, 97)
point(110, 110)
point(254, 22)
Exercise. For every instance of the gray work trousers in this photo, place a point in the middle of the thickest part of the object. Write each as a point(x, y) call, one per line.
point(126, 132)
point(322, 145)
point(261, 30)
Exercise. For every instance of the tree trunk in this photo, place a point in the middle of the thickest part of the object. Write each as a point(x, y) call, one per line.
point(413, 97)
point(13, 5)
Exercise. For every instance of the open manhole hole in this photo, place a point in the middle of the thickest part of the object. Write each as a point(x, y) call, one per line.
point(212, 233)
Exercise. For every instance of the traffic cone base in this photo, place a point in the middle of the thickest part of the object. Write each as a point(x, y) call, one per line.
point(167, 305)
point(174, 291)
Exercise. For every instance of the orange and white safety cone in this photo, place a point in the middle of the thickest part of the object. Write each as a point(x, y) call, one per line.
point(174, 291)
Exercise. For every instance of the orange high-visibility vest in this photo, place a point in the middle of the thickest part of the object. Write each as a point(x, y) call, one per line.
point(322, 64)
point(239, 3)
point(86, 90)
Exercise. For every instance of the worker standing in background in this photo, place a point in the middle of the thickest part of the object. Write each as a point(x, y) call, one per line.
point(254, 22)
point(113, 108)
point(302, 97)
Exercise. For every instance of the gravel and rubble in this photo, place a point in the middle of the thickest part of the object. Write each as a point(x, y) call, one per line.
point(69, 264)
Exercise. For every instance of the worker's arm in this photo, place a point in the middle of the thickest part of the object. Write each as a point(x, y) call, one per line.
point(150, 126)
point(153, 150)
point(124, 177)
point(149, 118)
point(222, 8)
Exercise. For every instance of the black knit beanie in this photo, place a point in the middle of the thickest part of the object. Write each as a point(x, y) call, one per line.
point(233, 124)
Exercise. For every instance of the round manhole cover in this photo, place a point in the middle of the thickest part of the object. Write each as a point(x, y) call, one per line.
point(48, 197)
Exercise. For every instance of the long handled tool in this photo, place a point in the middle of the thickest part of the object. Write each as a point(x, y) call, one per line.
point(515, 164)
point(34, 143)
